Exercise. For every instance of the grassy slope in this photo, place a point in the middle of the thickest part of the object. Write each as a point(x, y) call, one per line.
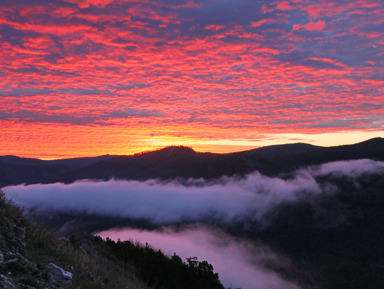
point(97, 268)
point(93, 262)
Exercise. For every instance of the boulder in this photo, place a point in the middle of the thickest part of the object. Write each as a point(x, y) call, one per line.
point(58, 276)
point(5, 283)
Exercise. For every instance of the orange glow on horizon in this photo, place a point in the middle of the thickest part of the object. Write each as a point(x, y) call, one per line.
point(46, 142)
point(86, 78)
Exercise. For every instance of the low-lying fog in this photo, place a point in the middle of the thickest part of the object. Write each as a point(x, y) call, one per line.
point(227, 199)
point(239, 263)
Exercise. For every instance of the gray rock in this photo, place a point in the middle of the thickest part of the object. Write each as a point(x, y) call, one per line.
point(5, 283)
point(11, 255)
point(27, 264)
point(8, 263)
point(1, 256)
point(58, 276)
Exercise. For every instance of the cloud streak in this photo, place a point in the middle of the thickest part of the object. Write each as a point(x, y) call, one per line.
point(227, 199)
point(351, 169)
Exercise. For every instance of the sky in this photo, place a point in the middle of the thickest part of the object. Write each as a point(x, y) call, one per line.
point(93, 77)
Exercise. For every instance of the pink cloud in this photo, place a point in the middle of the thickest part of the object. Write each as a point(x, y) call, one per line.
point(238, 80)
point(238, 263)
point(311, 26)
point(284, 5)
point(86, 3)
point(215, 27)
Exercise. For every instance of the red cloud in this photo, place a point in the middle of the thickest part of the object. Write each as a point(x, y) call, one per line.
point(214, 27)
point(311, 26)
point(284, 5)
point(86, 3)
point(134, 69)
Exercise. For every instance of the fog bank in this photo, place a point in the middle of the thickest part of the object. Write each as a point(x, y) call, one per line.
point(228, 199)
point(239, 263)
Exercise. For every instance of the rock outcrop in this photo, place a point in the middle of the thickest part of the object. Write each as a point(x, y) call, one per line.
point(6, 283)
point(17, 271)
point(33, 257)
point(58, 277)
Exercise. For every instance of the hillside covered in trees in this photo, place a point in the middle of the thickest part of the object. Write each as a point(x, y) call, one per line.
point(33, 257)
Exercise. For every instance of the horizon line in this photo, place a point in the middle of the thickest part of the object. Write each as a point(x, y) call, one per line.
point(185, 146)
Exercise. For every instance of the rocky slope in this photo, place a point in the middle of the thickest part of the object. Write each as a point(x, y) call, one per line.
point(32, 257)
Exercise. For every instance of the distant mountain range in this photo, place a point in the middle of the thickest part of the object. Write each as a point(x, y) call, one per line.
point(183, 162)
point(332, 239)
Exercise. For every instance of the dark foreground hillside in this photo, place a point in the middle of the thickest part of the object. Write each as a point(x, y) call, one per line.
point(31, 257)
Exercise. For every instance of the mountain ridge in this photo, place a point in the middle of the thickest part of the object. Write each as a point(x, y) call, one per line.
point(182, 162)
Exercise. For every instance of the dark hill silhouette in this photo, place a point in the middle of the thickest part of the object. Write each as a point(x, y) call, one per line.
point(71, 163)
point(75, 163)
point(170, 162)
point(173, 162)
point(29, 172)
point(286, 149)
point(184, 162)
point(14, 160)
point(371, 149)
point(15, 170)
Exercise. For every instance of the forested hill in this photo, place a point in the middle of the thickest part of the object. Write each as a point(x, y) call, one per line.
point(33, 257)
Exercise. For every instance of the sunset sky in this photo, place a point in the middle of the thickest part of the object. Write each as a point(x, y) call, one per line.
point(92, 77)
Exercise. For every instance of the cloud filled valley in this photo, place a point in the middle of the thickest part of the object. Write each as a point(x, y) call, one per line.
point(268, 228)
point(228, 198)
point(239, 263)
point(248, 134)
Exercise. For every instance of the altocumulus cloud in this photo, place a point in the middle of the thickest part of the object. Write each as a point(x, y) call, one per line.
point(228, 199)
